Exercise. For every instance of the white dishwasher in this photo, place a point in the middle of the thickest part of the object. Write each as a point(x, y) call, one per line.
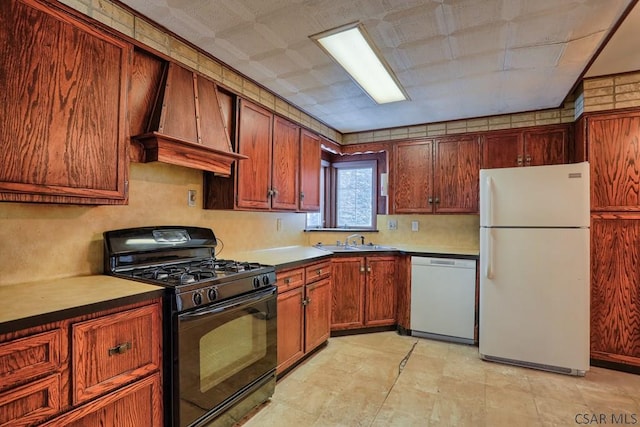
point(443, 294)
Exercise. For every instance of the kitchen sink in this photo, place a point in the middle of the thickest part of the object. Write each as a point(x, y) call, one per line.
point(370, 247)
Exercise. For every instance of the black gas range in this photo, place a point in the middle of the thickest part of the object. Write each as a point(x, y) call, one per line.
point(220, 320)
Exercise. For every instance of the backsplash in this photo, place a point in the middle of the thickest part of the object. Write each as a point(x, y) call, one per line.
point(445, 231)
point(48, 241)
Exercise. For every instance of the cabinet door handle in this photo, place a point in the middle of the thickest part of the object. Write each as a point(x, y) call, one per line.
point(430, 200)
point(361, 269)
point(120, 349)
point(301, 195)
point(368, 269)
point(528, 160)
point(437, 200)
point(305, 301)
point(519, 161)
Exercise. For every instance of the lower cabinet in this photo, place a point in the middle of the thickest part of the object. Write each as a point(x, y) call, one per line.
point(615, 290)
point(364, 292)
point(98, 369)
point(304, 307)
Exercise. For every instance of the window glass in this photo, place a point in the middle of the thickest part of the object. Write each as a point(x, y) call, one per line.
point(354, 197)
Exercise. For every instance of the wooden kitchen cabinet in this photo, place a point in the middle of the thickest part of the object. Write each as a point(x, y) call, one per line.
point(613, 142)
point(541, 145)
point(65, 373)
point(304, 304)
point(63, 126)
point(615, 289)
point(436, 175)
point(364, 292)
point(282, 169)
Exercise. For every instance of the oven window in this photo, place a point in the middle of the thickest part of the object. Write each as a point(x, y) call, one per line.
point(230, 348)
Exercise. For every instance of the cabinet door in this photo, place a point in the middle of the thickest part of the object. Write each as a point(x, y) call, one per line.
point(347, 306)
point(413, 177)
point(615, 294)
point(63, 111)
point(286, 165)
point(254, 141)
point(502, 150)
point(614, 154)
point(546, 146)
point(318, 314)
point(456, 175)
point(138, 404)
point(380, 298)
point(310, 158)
point(290, 327)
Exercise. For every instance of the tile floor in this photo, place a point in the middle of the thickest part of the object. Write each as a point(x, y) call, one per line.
point(385, 379)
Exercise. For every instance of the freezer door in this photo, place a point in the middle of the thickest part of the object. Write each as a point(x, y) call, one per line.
point(535, 196)
point(534, 296)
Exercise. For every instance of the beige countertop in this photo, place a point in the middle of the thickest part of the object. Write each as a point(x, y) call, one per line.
point(25, 300)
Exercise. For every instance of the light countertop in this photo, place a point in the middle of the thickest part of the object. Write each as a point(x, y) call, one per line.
point(25, 300)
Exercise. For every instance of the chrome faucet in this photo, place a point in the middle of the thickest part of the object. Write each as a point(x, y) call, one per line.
point(351, 236)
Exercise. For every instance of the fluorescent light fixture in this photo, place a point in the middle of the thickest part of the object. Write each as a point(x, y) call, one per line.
point(350, 47)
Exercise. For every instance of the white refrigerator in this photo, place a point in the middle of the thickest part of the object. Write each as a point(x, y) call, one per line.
point(534, 267)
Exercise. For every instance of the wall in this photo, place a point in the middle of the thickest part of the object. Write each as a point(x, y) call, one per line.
point(42, 241)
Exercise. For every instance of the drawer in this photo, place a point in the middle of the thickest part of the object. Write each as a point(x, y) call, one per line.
point(30, 404)
point(27, 358)
point(114, 350)
point(290, 279)
point(318, 271)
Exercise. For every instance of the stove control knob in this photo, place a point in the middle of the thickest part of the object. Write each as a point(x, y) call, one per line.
point(265, 280)
point(197, 298)
point(256, 282)
point(212, 293)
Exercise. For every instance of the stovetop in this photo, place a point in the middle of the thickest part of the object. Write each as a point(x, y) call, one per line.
point(183, 260)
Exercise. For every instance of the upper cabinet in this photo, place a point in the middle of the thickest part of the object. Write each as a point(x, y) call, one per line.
point(544, 145)
point(282, 167)
point(63, 131)
point(436, 176)
point(613, 142)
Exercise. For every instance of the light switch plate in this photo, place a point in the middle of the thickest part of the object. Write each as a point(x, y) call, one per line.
point(392, 224)
point(414, 226)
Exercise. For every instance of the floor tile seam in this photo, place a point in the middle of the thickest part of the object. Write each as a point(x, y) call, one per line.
point(401, 365)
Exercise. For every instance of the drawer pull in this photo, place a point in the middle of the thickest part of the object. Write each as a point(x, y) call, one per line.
point(287, 280)
point(319, 271)
point(120, 349)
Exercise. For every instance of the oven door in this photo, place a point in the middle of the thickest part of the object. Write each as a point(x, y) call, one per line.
point(223, 349)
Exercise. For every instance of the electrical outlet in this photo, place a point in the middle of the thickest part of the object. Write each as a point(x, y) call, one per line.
point(278, 224)
point(191, 198)
point(392, 224)
point(414, 225)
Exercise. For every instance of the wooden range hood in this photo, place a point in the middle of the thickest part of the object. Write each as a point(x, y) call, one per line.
point(186, 126)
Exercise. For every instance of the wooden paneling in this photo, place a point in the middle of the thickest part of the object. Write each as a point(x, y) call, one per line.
point(456, 175)
point(63, 125)
point(290, 327)
point(413, 177)
point(503, 149)
point(254, 141)
point(113, 350)
point(614, 154)
point(27, 358)
point(347, 308)
point(286, 165)
point(615, 289)
point(380, 297)
point(318, 313)
point(310, 159)
point(546, 146)
point(32, 403)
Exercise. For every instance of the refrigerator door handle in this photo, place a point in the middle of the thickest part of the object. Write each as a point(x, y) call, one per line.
point(488, 273)
point(489, 193)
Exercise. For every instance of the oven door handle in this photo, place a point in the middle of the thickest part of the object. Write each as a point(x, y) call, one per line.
point(234, 303)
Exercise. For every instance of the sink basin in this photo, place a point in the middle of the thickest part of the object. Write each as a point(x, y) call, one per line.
point(356, 248)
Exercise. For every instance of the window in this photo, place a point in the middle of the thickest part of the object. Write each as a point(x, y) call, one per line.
point(348, 191)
